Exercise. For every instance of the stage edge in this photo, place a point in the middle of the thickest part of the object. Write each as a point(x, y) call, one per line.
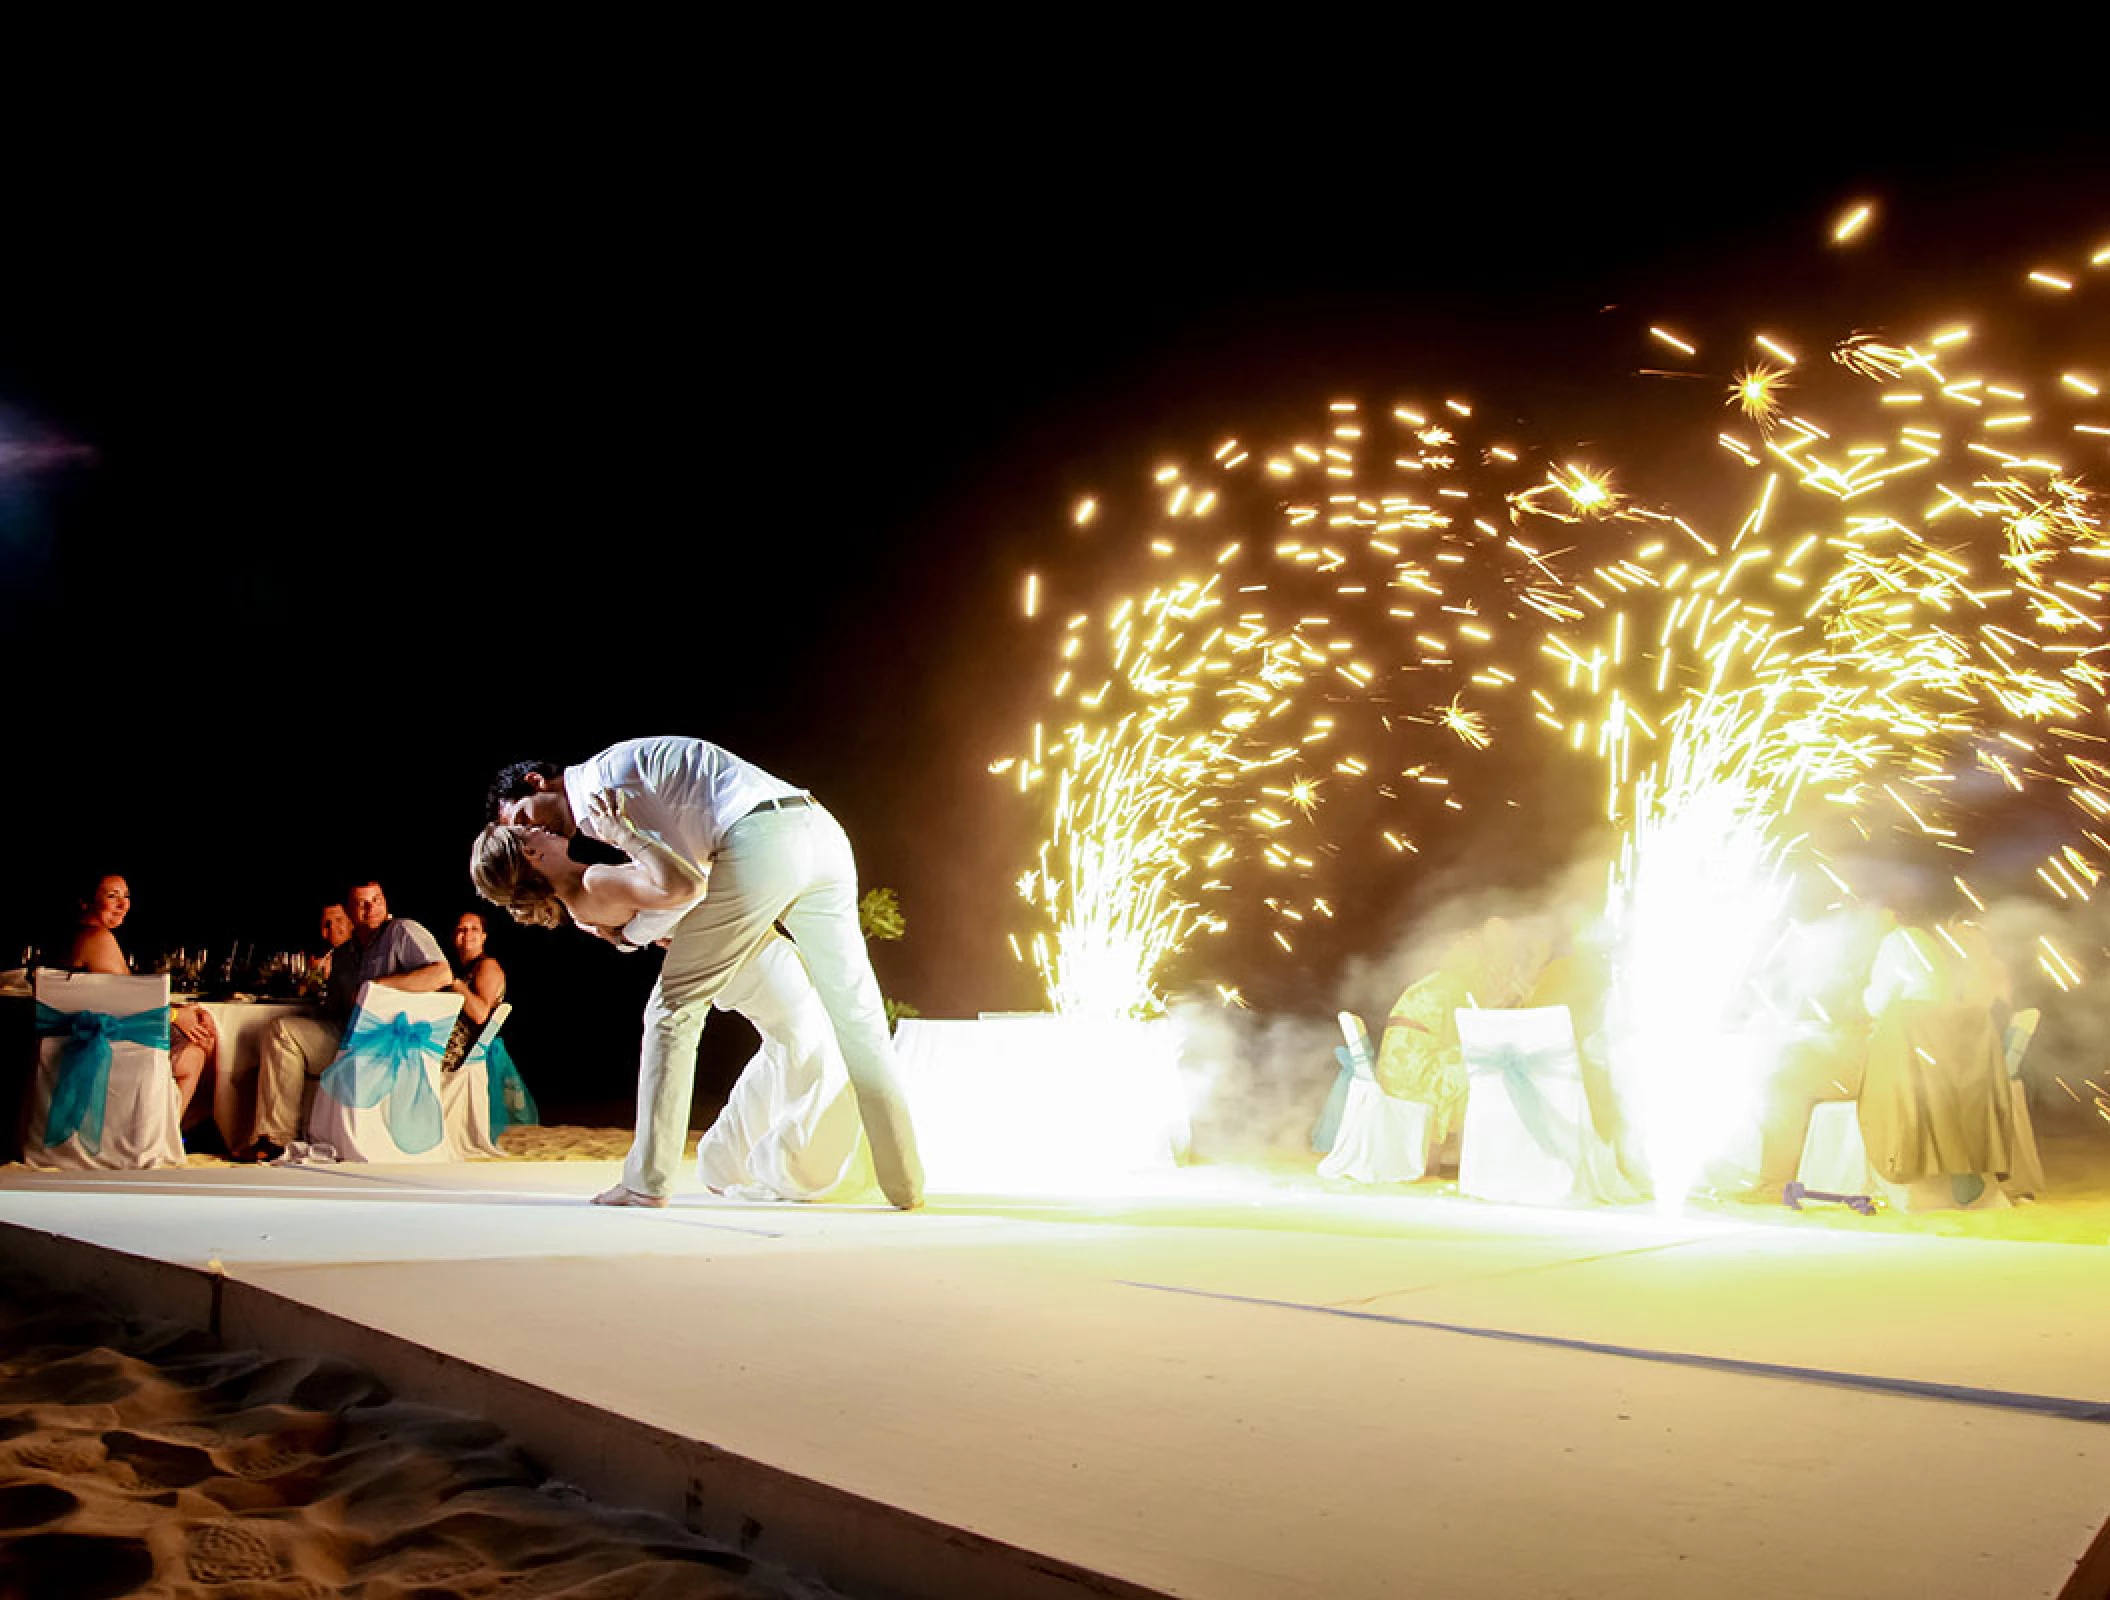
point(865, 1548)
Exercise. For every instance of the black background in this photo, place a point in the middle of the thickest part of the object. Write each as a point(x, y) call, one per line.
point(398, 423)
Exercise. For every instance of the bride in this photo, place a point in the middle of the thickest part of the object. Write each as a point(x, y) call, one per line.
point(790, 1127)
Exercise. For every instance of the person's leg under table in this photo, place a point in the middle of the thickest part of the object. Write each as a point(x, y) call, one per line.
point(295, 1050)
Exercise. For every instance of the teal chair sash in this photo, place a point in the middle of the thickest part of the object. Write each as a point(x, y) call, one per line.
point(509, 1098)
point(83, 1085)
point(1520, 1071)
point(385, 1060)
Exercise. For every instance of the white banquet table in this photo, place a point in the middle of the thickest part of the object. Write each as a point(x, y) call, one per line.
point(241, 1023)
point(1016, 1103)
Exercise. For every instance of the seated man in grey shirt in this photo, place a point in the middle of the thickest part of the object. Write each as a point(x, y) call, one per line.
point(391, 951)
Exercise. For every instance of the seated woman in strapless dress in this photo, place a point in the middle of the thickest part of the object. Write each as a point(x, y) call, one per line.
point(192, 1036)
point(482, 985)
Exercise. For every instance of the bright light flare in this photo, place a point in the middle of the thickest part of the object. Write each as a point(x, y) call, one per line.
point(1853, 224)
point(1756, 392)
point(1087, 1105)
point(1697, 899)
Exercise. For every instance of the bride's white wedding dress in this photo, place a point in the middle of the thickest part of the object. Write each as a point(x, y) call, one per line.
point(790, 1128)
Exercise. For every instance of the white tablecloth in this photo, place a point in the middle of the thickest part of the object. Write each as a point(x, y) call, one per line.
point(241, 1024)
point(1042, 1104)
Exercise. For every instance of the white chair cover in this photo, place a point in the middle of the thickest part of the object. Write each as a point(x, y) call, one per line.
point(465, 1093)
point(390, 1058)
point(140, 1116)
point(1834, 1158)
point(1380, 1139)
point(1528, 1137)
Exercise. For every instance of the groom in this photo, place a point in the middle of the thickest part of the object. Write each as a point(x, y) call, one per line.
point(769, 853)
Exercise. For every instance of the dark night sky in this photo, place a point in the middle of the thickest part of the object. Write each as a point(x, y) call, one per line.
point(416, 443)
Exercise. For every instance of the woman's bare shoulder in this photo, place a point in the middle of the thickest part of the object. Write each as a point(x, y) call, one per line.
point(600, 902)
point(97, 950)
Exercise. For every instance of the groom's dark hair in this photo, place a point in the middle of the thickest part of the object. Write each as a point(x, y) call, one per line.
point(512, 784)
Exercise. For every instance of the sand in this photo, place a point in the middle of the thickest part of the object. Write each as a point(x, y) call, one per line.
point(139, 1458)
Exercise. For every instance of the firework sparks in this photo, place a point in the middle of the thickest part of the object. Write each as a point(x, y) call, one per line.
point(1212, 724)
point(1895, 609)
point(1756, 393)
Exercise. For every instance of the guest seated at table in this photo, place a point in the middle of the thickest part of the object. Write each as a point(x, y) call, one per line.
point(1934, 1098)
point(1984, 979)
point(482, 985)
point(336, 930)
point(393, 952)
point(1819, 1032)
point(340, 977)
point(1419, 1058)
point(192, 1036)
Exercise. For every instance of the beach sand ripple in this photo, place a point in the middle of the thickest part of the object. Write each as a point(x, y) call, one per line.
point(137, 1458)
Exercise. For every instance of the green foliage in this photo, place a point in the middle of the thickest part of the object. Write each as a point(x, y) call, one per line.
point(879, 915)
point(879, 918)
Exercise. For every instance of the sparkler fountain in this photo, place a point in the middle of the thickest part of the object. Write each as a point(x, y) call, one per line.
point(1914, 594)
point(1344, 635)
point(1877, 697)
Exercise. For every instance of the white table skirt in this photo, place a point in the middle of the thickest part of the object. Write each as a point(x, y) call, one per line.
point(1042, 1104)
point(241, 1024)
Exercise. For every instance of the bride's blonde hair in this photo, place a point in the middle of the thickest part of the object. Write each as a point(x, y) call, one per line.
point(504, 876)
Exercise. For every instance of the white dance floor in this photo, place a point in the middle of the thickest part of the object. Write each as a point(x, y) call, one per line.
point(1228, 1387)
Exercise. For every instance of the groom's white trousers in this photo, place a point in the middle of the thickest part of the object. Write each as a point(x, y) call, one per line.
point(795, 867)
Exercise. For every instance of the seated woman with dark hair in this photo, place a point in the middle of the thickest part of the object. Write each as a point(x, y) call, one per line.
point(481, 984)
point(192, 1036)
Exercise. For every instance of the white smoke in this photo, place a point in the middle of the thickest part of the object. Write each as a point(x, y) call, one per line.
point(1258, 1081)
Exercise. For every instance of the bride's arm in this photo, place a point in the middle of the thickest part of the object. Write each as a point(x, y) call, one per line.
point(657, 877)
point(610, 931)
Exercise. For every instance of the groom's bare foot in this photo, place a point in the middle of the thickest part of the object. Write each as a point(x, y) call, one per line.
point(624, 1195)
